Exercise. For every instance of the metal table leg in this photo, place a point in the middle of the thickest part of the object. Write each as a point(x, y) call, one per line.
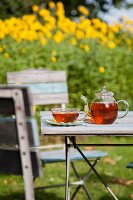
point(83, 179)
point(67, 190)
point(73, 140)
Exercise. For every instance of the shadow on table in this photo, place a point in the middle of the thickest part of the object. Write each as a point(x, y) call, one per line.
point(39, 195)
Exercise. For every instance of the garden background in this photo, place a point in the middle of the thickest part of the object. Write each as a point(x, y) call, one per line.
point(93, 53)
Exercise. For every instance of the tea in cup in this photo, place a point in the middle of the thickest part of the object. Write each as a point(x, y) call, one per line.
point(65, 115)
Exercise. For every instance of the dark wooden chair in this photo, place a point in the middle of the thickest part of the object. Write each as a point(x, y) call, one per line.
point(17, 153)
point(50, 87)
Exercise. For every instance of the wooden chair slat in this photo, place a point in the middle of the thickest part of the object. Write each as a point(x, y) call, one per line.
point(36, 76)
point(42, 99)
point(10, 162)
point(47, 88)
point(8, 126)
point(7, 104)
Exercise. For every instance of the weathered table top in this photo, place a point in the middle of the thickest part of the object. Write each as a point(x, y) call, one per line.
point(123, 126)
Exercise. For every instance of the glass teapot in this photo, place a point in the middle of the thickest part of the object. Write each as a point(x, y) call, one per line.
point(104, 108)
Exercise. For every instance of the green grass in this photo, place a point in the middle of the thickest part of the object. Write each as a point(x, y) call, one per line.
point(112, 168)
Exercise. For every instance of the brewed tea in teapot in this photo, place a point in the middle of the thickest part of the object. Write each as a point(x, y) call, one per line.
point(104, 108)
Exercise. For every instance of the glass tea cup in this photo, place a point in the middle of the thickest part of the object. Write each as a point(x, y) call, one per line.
point(65, 115)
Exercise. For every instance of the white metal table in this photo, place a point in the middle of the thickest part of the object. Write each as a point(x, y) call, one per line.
point(121, 127)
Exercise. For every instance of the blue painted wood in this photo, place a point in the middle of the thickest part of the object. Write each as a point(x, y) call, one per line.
point(47, 88)
point(59, 155)
point(35, 131)
point(130, 165)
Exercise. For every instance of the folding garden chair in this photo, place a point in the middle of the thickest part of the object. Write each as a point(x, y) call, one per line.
point(17, 155)
point(130, 165)
point(50, 87)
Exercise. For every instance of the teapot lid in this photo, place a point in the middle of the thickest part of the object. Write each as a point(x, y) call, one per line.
point(104, 92)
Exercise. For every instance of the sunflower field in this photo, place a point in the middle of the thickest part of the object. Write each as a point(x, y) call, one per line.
point(92, 52)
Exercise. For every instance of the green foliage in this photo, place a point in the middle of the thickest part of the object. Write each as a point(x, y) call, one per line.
point(17, 8)
point(84, 76)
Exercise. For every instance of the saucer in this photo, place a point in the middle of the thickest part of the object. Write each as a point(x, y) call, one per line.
point(52, 122)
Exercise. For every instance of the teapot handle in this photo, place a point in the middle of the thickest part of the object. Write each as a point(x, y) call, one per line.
point(127, 108)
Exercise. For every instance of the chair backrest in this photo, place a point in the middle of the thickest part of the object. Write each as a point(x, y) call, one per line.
point(46, 87)
point(18, 133)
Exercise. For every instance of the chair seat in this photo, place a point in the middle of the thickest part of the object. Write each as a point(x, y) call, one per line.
point(130, 165)
point(59, 155)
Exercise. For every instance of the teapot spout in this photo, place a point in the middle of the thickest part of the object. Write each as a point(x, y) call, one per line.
point(84, 99)
point(86, 107)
